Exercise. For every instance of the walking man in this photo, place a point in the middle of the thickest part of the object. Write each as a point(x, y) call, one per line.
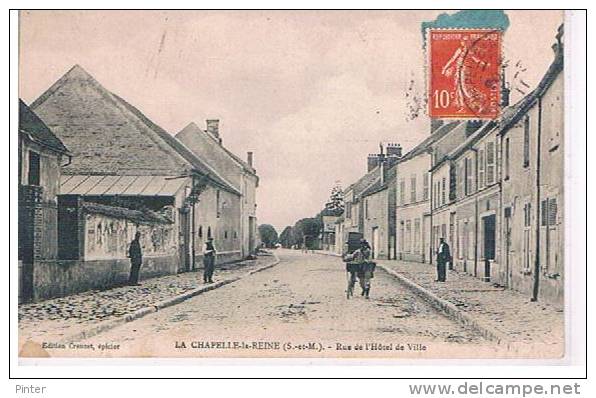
point(136, 259)
point(364, 268)
point(209, 261)
point(443, 256)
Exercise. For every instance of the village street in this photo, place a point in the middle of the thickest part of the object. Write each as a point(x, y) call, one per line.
point(297, 308)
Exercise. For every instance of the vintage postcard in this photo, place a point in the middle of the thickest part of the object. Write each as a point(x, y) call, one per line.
point(292, 184)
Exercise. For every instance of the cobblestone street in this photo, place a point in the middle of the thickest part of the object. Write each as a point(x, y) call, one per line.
point(56, 318)
point(509, 311)
point(300, 302)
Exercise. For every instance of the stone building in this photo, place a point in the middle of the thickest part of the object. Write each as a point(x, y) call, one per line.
point(352, 219)
point(498, 197)
point(41, 154)
point(328, 220)
point(379, 221)
point(533, 167)
point(238, 240)
point(124, 161)
point(466, 199)
point(414, 189)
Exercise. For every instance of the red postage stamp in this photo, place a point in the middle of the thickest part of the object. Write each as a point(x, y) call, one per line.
point(465, 73)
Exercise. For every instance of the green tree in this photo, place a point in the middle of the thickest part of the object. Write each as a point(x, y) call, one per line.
point(286, 238)
point(307, 230)
point(335, 205)
point(268, 235)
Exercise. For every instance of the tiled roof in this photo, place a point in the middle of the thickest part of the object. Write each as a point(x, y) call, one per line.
point(143, 217)
point(35, 128)
point(431, 139)
point(100, 185)
point(201, 166)
point(511, 117)
point(365, 181)
point(108, 136)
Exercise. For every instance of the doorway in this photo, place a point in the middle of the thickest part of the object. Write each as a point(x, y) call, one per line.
point(375, 242)
point(489, 243)
point(184, 240)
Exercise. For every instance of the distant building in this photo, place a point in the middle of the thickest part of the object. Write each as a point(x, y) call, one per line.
point(41, 154)
point(208, 145)
point(378, 201)
point(414, 189)
point(328, 219)
point(352, 219)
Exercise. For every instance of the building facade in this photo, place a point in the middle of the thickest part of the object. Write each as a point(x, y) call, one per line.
point(236, 240)
point(533, 188)
point(41, 155)
point(123, 160)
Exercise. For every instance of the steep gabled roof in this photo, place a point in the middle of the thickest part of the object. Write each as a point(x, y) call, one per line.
point(201, 166)
point(365, 181)
point(521, 108)
point(107, 135)
point(35, 128)
point(427, 143)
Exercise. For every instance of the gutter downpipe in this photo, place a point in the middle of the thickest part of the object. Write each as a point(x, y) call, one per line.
point(193, 229)
point(475, 210)
point(430, 202)
point(535, 290)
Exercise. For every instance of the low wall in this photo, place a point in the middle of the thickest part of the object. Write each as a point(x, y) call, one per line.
point(59, 278)
point(222, 258)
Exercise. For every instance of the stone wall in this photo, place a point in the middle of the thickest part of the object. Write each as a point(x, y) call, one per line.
point(61, 278)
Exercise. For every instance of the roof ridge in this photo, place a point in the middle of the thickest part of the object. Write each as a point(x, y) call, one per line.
point(232, 155)
point(76, 69)
point(160, 136)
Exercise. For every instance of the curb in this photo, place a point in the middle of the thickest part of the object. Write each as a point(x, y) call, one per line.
point(448, 308)
point(141, 312)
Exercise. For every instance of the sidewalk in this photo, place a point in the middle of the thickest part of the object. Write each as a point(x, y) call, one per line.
point(53, 319)
point(507, 311)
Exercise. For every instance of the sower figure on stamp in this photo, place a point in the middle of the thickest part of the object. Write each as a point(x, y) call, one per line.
point(209, 261)
point(443, 257)
point(136, 260)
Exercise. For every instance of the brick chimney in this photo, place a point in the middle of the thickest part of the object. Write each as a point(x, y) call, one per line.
point(372, 162)
point(213, 128)
point(394, 153)
point(435, 124)
point(394, 150)
point(249, 156)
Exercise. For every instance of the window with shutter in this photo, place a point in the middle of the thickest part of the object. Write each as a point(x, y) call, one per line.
point(425, 186)
point(443, 190)
point(452, 182)
point(507, 158)
point(481, 169)
point(490, 163)
point(34, 175)
point(402, 192)
point(543, 218)
point(527, 141)
point(413, 189)
point(552, 211)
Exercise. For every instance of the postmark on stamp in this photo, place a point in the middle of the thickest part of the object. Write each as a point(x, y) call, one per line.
point(464, 73)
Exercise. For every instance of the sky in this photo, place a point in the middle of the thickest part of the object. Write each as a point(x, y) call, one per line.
point(311, 93)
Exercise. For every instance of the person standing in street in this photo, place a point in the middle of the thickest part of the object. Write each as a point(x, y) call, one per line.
point(364, 267)
point(443, 257)
point(209, 261)
point(136, 260)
